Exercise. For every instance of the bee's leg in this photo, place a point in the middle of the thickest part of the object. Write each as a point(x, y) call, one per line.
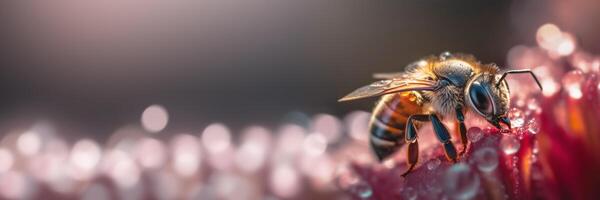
point(463, 130)
point(442, 134)
point(411, 139)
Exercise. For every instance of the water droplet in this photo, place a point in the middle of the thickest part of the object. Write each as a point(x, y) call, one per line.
point(528, 113)
point(536, 174)
point(489, 129)
point(445, 55)
point(520, 103)
point(460, 182)
point(533, 127)
point(509, 144)
point(572, 82)
point(362, 189)
point(410, 193)
point(533, 105)
point(487, 159)
point(345, 177)
point(516, 118)
point(474, 134)
point(534, 158)
point(381, 83)
point(433, 163)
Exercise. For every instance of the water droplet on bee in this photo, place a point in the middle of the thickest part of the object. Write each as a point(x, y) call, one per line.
point(509, 144)
point(445, 55)
point(412, 97)
point(474, 134)
point(433, 164)
point(486, 159)
point(460, 182)
point(381, 83)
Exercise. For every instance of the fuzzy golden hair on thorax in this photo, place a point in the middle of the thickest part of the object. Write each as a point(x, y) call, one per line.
point(491, 68)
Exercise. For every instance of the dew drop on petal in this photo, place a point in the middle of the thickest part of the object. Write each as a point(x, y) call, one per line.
point(567, 45)
point(536, 149)
point(516, 118)
point(433, 164)
point(345, 177)
point(533, 127)
point(460, 182)
point(362, 189)
point(284, 181)
point(572, 82)
point(486, 159)
point(533, 105)
point(551, 87)
point(315, 144)
point(509, 144)
point(474, 134)
point(488, 129)
point(409, 193)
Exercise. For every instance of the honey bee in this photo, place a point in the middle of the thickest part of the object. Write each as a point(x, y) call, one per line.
point(430, 90)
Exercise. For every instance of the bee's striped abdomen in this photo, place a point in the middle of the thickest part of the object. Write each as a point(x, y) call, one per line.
point(389, 121)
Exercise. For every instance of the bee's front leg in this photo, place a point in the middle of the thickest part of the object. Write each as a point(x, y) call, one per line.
point(463, 130)
point(442, 134)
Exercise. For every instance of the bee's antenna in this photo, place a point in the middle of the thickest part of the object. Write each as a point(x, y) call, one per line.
point(520, 71)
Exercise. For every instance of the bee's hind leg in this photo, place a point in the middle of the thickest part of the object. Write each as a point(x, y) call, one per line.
point(443, 136)
point(463, 130)
point(411, 139)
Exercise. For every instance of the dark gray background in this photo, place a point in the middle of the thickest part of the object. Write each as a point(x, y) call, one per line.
point(93, 66)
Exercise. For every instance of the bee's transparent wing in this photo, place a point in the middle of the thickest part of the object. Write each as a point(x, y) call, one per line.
point(401, 75)
point(389, 86)
point(390, 75)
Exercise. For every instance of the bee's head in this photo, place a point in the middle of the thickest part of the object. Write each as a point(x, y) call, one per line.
point(488, 98)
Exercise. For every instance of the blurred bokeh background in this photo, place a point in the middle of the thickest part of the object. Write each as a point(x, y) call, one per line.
point(90, 68)
point(96, 64)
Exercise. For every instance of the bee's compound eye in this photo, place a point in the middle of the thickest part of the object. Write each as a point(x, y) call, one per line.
point(480, 98)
